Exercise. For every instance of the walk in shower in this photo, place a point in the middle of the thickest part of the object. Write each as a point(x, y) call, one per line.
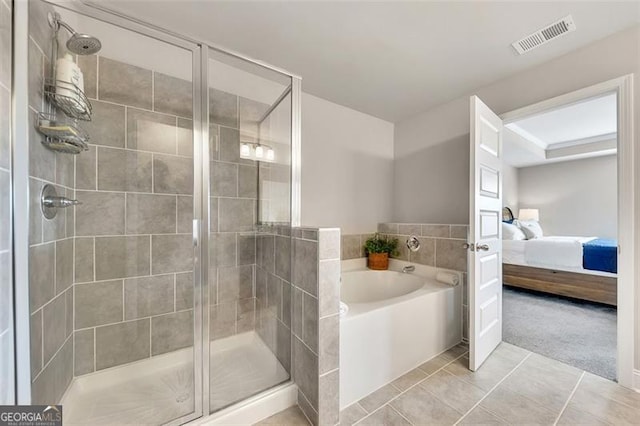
point(159, 291)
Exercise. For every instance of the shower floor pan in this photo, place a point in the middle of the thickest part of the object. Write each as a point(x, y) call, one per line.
point(160, 389)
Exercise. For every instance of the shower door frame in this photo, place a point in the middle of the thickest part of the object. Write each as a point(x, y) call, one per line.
point(21, 198)
point(201, 185)
point(203, 227)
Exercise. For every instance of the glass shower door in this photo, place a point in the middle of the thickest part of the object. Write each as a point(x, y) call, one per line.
point(113, 319)
point(249, 227)
point(129, 322)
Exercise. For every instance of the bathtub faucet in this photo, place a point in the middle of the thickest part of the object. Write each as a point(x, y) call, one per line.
point(409, 268)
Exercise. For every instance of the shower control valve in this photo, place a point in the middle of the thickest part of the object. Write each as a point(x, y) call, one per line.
point(50, 201)
point(413, 243)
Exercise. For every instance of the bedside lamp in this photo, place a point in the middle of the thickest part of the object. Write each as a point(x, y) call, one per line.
point(529, 214)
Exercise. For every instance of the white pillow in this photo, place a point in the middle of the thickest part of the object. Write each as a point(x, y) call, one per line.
point(531, 228)
point(512, 232)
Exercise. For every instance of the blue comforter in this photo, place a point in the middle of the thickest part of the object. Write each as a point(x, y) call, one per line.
point(600, 255)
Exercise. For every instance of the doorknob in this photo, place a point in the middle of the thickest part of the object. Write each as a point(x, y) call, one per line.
point(483, 247)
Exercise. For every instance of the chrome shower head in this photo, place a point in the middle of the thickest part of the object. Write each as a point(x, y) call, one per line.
point(80, 44)
point(83, 44)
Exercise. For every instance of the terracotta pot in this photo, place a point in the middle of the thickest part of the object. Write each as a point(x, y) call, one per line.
point(378, 261)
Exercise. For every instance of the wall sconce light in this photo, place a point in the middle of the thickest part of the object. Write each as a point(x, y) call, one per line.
point(256, 151)
point(259, 151)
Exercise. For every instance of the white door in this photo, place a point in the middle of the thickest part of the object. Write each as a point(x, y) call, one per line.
point(485, 233)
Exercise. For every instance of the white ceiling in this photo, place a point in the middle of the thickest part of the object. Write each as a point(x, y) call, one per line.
point(581, 130)
point(389, 59)
point(580, 121)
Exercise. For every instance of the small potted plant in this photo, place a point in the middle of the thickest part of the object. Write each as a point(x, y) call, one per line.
point(378, 249)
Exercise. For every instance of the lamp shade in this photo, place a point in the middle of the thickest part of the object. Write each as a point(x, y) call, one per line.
point(529, 214)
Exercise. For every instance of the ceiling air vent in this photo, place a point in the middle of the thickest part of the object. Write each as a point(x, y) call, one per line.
point(545, 35)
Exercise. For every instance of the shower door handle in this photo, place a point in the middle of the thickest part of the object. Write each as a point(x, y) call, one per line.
point(196, 232)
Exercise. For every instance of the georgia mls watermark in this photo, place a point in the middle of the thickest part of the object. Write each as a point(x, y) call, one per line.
point(30, 415)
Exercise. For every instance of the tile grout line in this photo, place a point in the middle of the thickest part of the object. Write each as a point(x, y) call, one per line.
point(44, 366)
point(123, 307)
point(492, 389)
point(566, 404)
point(132, 320)
point(153, 90)
point(410, 387)
point(303, 412)
point(132, 277)
point(94, 337)
point(399, 413)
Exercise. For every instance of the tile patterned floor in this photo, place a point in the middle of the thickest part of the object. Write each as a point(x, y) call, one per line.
point(514, 386)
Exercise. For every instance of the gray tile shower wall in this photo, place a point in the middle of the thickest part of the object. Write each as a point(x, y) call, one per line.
point(6, 322)
point(134, 225)
point(234, 246)
point(133, 253)
point(114, 279)
point(50, 241)
point(315, 322)
point(440, 246)
point(273, 290)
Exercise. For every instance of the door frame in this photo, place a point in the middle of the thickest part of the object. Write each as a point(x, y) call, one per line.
point(623, 87)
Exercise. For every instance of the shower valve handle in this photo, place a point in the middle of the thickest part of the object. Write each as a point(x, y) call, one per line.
point(59, 202)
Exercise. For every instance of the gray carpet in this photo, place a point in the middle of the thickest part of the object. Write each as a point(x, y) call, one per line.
point(577, 333)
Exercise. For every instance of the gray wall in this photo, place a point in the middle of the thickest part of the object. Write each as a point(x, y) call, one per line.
point(431, 167)
point(6, 309)
point(347, 167)
point(444, 130)
point(574, 197)
point(432, 149)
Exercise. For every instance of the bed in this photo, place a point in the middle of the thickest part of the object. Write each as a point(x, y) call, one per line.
point(579, 267)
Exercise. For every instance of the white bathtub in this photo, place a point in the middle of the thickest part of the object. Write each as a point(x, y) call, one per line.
point(395, 322)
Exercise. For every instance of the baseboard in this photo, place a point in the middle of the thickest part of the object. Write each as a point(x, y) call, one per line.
point(254, 409)
point(636, 380)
